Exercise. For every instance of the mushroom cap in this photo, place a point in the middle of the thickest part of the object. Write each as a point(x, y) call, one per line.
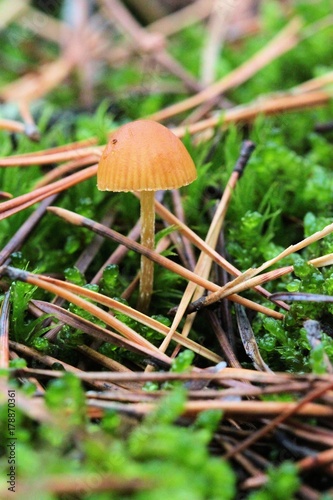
point(144, 156)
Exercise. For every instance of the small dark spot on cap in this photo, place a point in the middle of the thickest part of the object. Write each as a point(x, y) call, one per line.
point(114, 141)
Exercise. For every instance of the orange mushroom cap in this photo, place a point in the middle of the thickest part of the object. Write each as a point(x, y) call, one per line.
point(144, 156)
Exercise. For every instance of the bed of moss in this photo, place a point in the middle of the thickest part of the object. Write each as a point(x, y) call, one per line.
point(284, 195)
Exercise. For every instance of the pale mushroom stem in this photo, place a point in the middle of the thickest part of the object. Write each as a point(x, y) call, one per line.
point(147, 240)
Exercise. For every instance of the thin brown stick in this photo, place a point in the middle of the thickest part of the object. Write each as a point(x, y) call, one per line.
point(71, 146)
point(47, 360)
point(279, 419)
point(31, 129)
point(78, 220)
point(132, 313)
point(321, 459)
point(281, 43)
point(33, 86)
point(203, 265)
point(45, 157)
point(202, 245)
point(223, 341)
point(224, 374)
point(12, 126)
point(316, 435)
point(252, 409)
point(26, 200)
point(251, 277)
point(270, 106)
point(104, 316)
point(80, 484)
point(65, 169)
point(176, 21)
point(24, 231)
point(313, 462)
point(150, 43)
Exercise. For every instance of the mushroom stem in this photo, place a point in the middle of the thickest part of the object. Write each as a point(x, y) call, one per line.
point(147, 239)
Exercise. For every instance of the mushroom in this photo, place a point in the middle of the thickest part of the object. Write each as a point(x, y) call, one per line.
point(145, 156)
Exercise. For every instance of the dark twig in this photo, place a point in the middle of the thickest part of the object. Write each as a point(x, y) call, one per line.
point(324, 128)
point(222, 277)
point(223, 340)
point(249, 340)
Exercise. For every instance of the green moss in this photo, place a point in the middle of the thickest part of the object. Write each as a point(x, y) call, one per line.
point(284, 195)
point(157, 450)
point(283, 484)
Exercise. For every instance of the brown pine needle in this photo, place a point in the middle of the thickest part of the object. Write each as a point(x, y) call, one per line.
point(12, 126)
point(316, 461)
point(5, 195)
point(132, 313)
point(188, 15)
point(65, 169)
point(270, 105)
point(324, 260)
point(78, 220)
point(239, 284)
point(281, 43)
point(152, 44)
point(248, 339)
point(318, 235)
point(51, 157)
point(204, 263)
point(92, 329)
point(51, 151)
point(77, 484)
point(225, 374)
point(104, 316)
point(17, 204)
point(34, 85)
point(24, 231)
point(248, 279)
point(204, 247)
point(315, 83)
point(231, 409)
point(284, 415)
